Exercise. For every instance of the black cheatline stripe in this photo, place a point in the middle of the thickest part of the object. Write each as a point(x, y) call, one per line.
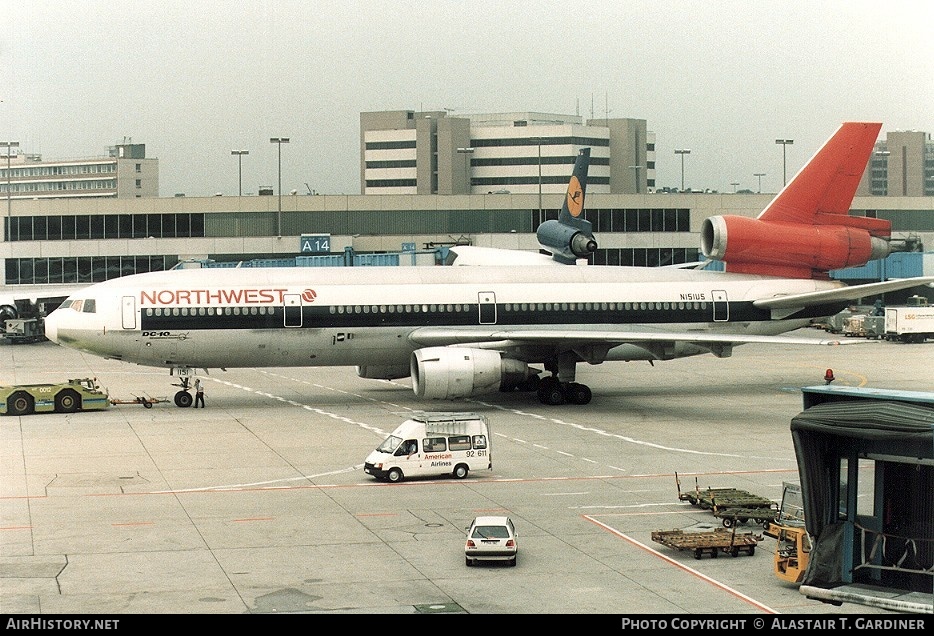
point(322, 317)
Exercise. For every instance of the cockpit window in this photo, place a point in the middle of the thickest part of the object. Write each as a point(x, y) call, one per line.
point(66, 304)
point(90, 306)
point(77, 305)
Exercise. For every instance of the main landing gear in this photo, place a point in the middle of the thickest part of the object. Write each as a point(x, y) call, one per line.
point(554, 392)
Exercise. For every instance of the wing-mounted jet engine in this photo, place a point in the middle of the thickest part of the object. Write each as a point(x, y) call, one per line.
point(570, 237)
point(806, 230)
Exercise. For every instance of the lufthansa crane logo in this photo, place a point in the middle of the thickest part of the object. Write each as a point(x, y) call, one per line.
point(309, 295)
point(575, 198)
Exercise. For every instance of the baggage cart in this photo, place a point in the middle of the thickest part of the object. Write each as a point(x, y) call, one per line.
point(709, 543)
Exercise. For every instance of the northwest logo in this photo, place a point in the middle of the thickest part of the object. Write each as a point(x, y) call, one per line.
point(309, 295)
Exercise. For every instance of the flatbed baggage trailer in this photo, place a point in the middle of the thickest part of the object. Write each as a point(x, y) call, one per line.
point(709, 543)
point(729, 517)
point(724, 498)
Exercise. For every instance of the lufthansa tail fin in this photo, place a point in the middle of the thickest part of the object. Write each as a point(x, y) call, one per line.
point(571, 236)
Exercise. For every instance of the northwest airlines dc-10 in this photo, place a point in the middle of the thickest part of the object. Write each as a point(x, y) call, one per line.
point(462, 331)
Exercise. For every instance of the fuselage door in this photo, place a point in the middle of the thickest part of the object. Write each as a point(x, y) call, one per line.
point(487, 302)
point(292, 310)
point(721, 307)
point(129, 312)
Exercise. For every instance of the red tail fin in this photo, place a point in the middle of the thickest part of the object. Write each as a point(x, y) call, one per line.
point(828, 182)
point(806, 230)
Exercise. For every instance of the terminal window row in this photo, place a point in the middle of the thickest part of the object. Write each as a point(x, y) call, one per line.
point(21, 172)
point(81, 269)
point(106, 226)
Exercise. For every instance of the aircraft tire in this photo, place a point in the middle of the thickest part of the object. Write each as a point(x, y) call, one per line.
point(551, 392)
point(578, 393)
point(183, 399)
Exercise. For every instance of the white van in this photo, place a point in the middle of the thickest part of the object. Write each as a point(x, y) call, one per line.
point(433, 443)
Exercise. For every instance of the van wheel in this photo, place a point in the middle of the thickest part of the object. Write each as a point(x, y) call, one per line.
point(513, 561)
point(460, 471)
point(468, 561)
point(395, 475)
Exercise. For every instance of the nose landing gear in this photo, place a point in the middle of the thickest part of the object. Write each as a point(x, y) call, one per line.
point(183, 398)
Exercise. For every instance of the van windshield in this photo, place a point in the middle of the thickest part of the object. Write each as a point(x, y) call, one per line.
point(392, 442)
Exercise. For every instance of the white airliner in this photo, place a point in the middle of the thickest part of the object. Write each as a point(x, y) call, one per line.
point(462, 331)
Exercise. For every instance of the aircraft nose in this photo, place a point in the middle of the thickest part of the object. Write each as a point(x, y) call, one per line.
point(50, 325)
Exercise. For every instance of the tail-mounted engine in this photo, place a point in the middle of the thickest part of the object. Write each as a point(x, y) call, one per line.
point(794, 250)
point(443, 373)
point(566, 243)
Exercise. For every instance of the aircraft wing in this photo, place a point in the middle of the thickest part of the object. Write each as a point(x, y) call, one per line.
point(439, 336)
point(853, 292)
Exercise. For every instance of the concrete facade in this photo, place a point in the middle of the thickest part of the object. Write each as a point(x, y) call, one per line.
point(125, 173)
point(521, 152)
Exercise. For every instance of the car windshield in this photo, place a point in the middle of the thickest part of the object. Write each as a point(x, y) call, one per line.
point(490, 532)
point(390, 444)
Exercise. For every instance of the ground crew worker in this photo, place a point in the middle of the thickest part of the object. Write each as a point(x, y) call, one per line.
point(199, 393)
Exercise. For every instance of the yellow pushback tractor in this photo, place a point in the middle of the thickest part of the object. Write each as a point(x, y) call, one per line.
point(82, 394)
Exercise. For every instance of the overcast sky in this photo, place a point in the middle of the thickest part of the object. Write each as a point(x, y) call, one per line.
point(194, 79)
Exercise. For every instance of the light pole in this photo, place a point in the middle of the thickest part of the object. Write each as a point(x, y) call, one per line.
point(9, 145)
point(734, 184)
point(760, 175)
point(466, 152)
point(279, 141)
point(682, 152)
point(784, 144)
point(636, 169)
point(239, 154)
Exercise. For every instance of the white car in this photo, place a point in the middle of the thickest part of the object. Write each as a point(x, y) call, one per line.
point(491, 539)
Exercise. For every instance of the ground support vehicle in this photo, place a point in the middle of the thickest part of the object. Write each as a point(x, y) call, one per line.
point(793, 547)
point(82, 394)
point(23, 330)
point(855, 327)
point(912, 323)
point(709, 543)
point(433, 444)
